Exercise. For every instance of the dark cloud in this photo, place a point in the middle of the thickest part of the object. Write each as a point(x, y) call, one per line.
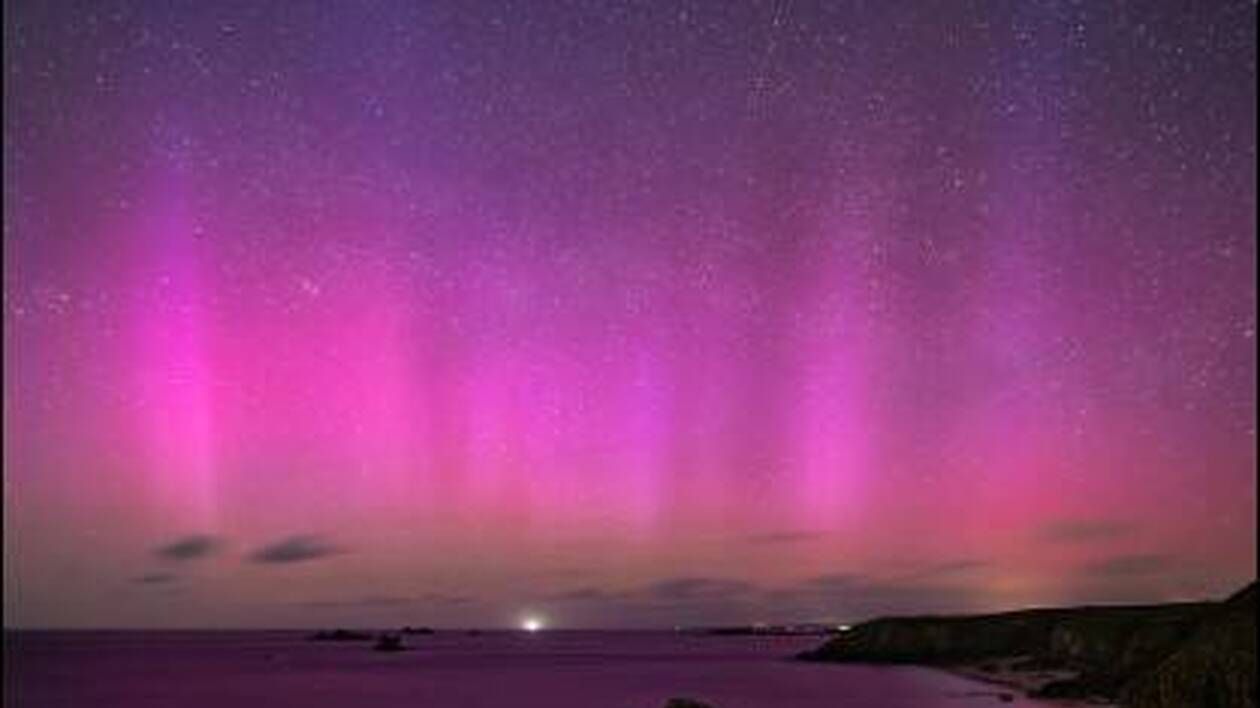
point(441, 598)
point(295, 549)
point(839, 597)
point(1130, 565)
point(369, 601)
point(387, 601)
point(384, 601)
point(589, 594)
point(851, 597)
point(1083, 531)
point(155, 579)
point(663, 593)
point(834, 581)
point(562, 573)
point(785, 537)
point(189, 548)
point(950, 568)
point(687, 589)
point(946, 587)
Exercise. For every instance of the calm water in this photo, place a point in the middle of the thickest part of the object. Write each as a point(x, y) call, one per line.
point(552, 669)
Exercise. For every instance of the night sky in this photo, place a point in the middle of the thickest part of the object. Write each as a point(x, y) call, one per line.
point(624, 314)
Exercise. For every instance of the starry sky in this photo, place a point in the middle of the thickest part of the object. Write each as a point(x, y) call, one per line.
point(624, 314)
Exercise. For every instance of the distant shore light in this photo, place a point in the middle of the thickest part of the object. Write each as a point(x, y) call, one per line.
point(532, 624)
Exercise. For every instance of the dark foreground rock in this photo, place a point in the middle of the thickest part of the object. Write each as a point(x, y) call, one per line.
point(685, 703)
point(1153, 656)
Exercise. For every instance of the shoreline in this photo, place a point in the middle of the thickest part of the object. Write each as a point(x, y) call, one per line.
point(1026, 683)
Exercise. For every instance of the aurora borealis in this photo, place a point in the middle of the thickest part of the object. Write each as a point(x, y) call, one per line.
point(624, 314)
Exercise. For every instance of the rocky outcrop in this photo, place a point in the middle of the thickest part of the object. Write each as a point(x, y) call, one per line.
point(1156, 655)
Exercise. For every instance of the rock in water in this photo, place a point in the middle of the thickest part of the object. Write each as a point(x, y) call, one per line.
point(339, 635)
point(685, 703)
point(389, 642)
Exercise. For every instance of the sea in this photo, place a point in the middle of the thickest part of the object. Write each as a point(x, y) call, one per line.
point(456, 669)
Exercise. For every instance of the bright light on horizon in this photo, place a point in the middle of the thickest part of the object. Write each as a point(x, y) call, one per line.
point(532, 624)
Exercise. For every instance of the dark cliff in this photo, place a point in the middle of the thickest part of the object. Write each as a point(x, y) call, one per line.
point(1215, 667)
point(1200, 654)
